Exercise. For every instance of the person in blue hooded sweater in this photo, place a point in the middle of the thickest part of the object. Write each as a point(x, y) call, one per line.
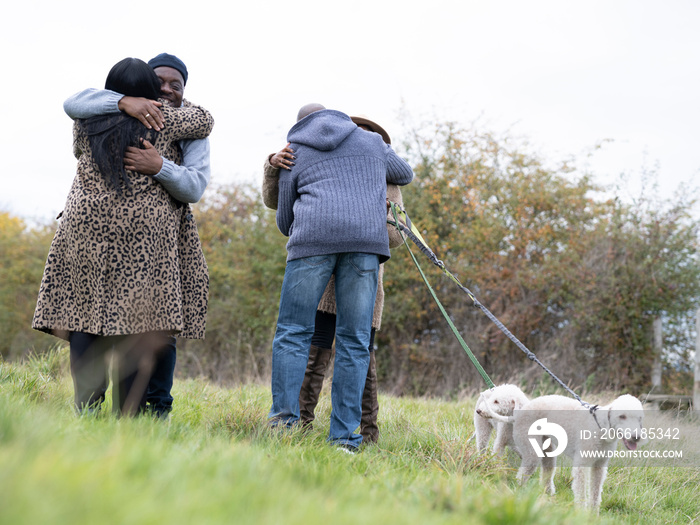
point(332, 206)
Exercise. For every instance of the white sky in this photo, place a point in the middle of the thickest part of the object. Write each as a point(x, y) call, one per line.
point(567, 75)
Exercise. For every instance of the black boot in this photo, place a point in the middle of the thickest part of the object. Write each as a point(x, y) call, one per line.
point(313, 382)
point(370, 404)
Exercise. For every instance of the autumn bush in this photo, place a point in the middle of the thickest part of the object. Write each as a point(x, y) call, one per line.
point(576, 275)
point(578, 278)
point(23, 250)
point(246, 256)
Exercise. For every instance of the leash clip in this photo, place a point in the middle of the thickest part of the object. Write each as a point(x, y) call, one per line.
point(592, 410)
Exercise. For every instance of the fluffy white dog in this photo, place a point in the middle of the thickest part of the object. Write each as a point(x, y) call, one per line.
point(587, 437)
point(494, 410)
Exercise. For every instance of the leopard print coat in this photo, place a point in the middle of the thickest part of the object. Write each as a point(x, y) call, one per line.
point(128, 263)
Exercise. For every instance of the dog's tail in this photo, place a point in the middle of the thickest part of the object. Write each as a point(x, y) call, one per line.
point(499, 417)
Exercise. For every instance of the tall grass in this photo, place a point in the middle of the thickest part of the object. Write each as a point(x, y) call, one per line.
point(216, 461)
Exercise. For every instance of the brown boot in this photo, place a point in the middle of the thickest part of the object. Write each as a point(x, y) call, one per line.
point(313, 382)
point(370, 404)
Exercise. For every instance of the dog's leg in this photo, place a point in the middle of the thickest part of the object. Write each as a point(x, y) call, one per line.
point(528, 465)
point(499, 444)
point(528, 458)
point(510, 440)
point(579, 485)
point(598, 475)
point(482, 428)
point(547, 475)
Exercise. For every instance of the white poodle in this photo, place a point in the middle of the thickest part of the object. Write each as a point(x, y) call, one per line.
point(589, 438)
point(494, 410)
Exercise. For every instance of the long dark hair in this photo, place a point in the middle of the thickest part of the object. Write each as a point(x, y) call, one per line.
point(110, 135)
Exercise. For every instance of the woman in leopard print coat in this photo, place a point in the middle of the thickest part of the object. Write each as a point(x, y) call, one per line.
point(125, 261)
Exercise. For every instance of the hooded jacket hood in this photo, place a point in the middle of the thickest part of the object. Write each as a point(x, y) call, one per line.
point(322, 130)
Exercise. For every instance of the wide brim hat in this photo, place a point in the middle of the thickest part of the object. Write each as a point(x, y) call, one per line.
point(361, 120)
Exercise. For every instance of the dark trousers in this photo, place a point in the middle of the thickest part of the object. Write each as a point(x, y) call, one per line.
point(132, 366)
point(160, 401)
point(324, 331)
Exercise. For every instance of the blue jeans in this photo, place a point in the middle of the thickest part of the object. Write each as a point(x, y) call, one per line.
point(355, 292)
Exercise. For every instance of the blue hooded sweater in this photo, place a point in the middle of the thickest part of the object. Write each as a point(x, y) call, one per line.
point(334, 198)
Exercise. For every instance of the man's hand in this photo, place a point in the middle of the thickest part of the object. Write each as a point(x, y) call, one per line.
point(146, 161)
point(283, 158)
point(145, 110)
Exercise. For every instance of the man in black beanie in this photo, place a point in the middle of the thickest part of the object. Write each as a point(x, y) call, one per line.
point(185, 182)
point(166, 60)
point(172, 73)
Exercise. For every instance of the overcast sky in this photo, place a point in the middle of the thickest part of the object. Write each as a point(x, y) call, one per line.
point(565, 74)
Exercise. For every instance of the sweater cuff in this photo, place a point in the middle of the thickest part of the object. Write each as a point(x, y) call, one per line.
point(166, 171)
point(267, 166)
point(111, 104)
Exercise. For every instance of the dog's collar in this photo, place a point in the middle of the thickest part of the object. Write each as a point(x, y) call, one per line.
point(593, 410)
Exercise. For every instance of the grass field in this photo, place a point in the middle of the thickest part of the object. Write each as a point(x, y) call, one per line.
point(215, 461)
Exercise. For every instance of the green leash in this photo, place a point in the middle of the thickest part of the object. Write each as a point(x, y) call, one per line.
point(414, 232)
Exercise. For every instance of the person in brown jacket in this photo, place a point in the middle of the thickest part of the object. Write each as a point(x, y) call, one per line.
point(324, 330)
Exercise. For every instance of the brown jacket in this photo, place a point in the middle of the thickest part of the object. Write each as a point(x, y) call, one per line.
point(130, 263)
point(327, 303)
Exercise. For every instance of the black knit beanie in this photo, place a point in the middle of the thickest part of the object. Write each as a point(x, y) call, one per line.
point(166, 60)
